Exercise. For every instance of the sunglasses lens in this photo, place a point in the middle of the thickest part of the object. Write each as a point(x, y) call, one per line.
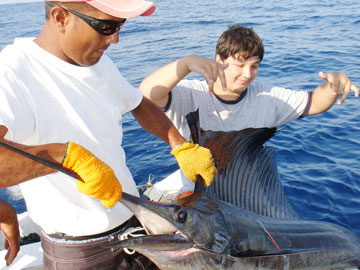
point(106, 28)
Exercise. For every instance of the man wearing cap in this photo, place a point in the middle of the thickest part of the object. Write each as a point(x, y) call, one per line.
point(62, 99)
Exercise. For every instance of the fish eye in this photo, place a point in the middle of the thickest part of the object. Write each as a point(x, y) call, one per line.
point(180, 215)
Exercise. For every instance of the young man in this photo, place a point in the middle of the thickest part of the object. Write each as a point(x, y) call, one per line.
point(228, 100)
point(61, 95)
point(10, 227)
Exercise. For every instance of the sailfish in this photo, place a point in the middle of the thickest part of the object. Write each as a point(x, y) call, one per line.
point(243, 220)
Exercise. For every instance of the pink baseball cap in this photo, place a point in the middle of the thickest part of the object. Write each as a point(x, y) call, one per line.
point(120, 8)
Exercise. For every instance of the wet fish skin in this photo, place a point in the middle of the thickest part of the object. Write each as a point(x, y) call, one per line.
point(242, 221)
point(228, 237)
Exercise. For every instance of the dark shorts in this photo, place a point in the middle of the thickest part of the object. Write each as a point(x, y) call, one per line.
point(66, 253)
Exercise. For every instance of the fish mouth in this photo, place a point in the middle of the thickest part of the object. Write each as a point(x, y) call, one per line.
point(155, 242)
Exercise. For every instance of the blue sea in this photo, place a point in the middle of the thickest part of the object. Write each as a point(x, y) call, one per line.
point(318, 157)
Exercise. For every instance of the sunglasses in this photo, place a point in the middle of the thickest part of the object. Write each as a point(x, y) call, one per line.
point(103, 27)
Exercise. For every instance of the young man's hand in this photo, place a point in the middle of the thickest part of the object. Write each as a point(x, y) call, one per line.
point(340, 84)
point(210, 69)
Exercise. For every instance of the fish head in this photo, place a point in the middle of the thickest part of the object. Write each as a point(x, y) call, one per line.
point(193, 216)
point(198, 218)
point(191, 225)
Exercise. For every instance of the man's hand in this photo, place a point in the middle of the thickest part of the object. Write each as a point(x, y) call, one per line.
point(194, 159)
point(340, 84)
point(99, 180)
point(10, 227)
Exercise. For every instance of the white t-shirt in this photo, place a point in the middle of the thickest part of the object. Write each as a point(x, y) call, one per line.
point(260, 106)
point(46, 100)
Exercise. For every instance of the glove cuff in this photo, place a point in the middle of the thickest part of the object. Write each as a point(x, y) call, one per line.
point(75, 155)
point(65, 153)
point(184, 146)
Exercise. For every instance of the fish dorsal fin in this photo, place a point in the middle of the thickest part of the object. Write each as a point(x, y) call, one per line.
point(247, 175)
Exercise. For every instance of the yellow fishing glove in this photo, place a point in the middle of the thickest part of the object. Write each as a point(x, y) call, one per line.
point(99, 179)
point(194, 159)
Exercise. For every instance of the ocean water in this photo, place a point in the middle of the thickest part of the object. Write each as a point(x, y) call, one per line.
point(318, 157)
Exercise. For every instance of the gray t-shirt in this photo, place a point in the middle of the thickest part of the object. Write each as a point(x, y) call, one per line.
point(259, 106)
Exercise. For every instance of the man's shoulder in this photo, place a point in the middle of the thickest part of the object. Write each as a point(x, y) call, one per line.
point(19, 44)
point(15, 53)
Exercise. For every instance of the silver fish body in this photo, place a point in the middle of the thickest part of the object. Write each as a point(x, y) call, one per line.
point(218, 235)
point(242, 221)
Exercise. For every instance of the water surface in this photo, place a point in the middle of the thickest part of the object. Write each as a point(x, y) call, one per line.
point(319, 156)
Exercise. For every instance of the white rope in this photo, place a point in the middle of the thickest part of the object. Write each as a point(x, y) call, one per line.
point(149, 183)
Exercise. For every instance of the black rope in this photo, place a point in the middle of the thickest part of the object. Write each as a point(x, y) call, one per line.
point(43, 161)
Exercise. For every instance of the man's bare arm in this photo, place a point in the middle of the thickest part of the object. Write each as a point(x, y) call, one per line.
point(15, 168)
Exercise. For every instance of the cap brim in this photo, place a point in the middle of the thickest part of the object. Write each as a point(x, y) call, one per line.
point(120, 8)
point(124, 8)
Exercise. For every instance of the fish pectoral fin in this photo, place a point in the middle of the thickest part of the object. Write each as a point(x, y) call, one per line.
point(161, 242)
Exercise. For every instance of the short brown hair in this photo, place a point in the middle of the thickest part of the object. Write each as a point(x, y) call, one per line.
point(239, 42)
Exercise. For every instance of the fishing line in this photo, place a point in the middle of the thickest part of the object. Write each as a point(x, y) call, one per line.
point(268, 234)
